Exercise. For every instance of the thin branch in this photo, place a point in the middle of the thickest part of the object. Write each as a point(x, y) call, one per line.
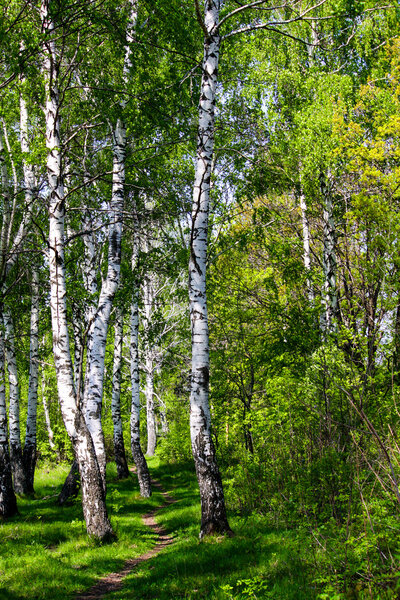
point(248, 7)
point(200, 19)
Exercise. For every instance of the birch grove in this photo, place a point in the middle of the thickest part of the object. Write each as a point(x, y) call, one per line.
point(273, 186)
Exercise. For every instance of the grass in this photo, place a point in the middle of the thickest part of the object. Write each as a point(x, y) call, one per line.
point(258, 562)
point(45, 553)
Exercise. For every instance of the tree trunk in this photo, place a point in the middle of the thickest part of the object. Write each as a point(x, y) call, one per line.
point(97, 337)
point(137, 453)
point(330, 300)
point(50, 433)
point(213, 512)
point(93, 496)
point(306, 244)
point(8, 501)
point(149, 300)
point(119, 447)
point(138, 457)
point(150, 412)
point(18, 471)
point(71, 486)
point(29, 453)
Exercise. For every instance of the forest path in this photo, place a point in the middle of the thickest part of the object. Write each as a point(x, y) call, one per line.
point(114, 581)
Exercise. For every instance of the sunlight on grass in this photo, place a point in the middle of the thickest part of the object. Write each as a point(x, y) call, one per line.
point(258, 562)
point(45, 552)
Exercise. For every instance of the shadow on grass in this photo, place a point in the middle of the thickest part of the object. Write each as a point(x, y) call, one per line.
point(45, 552)
point(193, 569)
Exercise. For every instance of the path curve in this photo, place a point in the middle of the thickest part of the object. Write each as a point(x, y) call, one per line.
point(113, 581)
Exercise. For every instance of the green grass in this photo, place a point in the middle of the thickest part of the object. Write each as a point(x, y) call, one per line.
point(268, 562)
point(46, 554)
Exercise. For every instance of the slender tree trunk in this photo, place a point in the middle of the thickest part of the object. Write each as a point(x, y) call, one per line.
point(29, 453)
point(50, 432)
point(138, 457)
point(18, 471)
point(150, 412)
point(149, 300)
point(119, 446)
point(306, 244)
point(163, 415)
point(330, 299)
point(8, 501)
point(71, 486)
point(93, 495)
point(97, 336)
point(213, 512)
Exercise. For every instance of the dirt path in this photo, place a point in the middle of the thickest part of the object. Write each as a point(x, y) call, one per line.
point(113, 581)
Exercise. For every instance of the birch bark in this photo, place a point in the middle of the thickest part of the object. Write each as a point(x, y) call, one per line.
point(8, 501)
point(137, 453)
point(29, 452)
point(119, 446)
point(306, 243)
point(50, 432)
point(149, 299)
point(8, 253)
point(17, 466)
point(213, 512)
point(97, 336)
point(330, 300)
point(93, 496)
point(142, 469)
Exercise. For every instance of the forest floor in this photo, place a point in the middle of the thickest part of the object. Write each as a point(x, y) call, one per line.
point(46, 555)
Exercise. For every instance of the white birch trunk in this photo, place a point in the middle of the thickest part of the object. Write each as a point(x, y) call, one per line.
point(8, 502)
point(50, 432)
point(149, 300)
point(213, 510)
point(97, 336)
point(17, 466)
point(330, 300)
point(119, 446)
point(306, 243)
point(150, 411)
point(29, 173)
point(137, 453)
point(93, 496)
point(29, 453)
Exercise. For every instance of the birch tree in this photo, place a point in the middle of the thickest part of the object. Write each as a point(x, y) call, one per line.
point(274, 19)
point(14, 405)
point(29, 452)
point(137, 453)
point(12, 238)
point(119, 446)
point(97, 335)
point(93, 495)
point(8, 501)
